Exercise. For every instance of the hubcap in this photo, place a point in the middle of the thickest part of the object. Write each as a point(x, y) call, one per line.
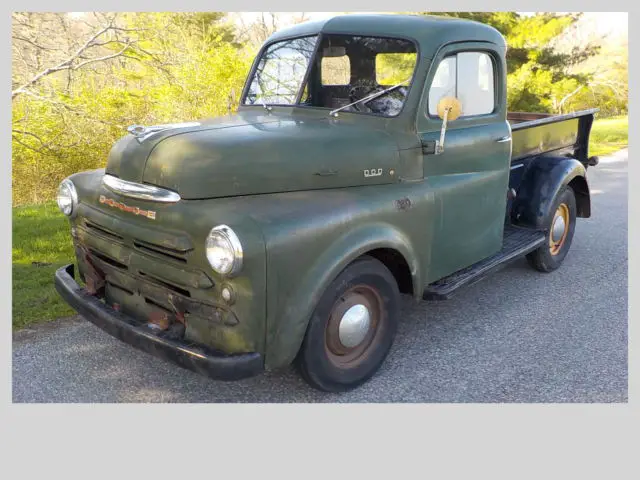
point(354, 326)
point(559, 229)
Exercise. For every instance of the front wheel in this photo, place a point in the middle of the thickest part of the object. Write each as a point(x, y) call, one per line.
point(352, 328)
point(560, 227)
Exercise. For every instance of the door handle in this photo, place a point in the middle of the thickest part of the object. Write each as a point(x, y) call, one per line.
point(504, 139)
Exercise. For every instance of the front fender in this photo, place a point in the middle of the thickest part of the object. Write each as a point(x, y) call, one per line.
point(284, 341)
point(543, 179)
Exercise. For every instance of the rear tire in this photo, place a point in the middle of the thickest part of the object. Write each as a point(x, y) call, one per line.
point(352, 328)
point(560, 226)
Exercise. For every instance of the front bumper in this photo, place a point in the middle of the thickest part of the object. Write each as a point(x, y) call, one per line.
point(199, 359)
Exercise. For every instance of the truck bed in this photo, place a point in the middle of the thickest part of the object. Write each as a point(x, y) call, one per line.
point(537, 133)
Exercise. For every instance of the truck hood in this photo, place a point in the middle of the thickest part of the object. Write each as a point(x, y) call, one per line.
point(254, 153)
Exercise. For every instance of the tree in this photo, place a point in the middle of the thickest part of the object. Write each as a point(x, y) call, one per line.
point(69, 108)
point(105, 41)
point(540, 78)
point(255, 33)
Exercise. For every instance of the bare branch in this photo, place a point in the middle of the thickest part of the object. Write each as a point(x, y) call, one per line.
point(22, 132)
point(71, 109)
point(69, 63)
point(31, 42)
point(102, 44)
point(45, 147)
point(102, 59)
point(37, 150)
point(568, 96)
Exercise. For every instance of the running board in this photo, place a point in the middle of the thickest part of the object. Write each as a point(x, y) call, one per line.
point(517, 242)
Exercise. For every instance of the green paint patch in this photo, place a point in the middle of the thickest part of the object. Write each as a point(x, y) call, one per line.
point(608, 135)
point(41, 244)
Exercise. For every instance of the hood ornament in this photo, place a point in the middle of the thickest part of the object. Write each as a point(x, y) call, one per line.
point(142, 132)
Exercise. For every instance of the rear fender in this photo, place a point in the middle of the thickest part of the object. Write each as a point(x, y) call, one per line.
point(285, 341)
point(543, 179)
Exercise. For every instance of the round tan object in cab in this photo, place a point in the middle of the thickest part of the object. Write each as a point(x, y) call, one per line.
point(454, 106)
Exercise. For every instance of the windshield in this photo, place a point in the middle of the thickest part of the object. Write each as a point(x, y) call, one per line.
point(344, 72)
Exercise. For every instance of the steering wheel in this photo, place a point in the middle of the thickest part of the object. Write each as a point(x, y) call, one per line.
point(359, 92)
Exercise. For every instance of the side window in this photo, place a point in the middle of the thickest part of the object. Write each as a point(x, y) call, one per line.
point(335, 70)
point(475, 84)
point(467, 76)
point(443, 85)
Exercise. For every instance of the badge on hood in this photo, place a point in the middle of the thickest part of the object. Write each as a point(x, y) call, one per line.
point(142, 132)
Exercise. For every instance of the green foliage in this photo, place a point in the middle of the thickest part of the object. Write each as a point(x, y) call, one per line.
point(185, 66)
point(543, 78)
point(609, 135)
point(501, 21)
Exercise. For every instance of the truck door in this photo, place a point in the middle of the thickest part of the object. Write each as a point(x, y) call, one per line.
point(469, 179)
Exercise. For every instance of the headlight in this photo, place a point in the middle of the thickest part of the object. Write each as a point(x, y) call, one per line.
point(224, 250)
point(67, 197)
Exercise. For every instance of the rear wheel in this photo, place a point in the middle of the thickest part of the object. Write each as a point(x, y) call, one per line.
point(352, 328)
point(560, 227)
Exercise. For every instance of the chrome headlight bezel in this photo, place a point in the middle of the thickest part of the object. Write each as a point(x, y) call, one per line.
point(67, 186)
point(228, 238)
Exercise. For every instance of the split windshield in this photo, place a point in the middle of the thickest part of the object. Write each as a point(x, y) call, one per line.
point(342, 70)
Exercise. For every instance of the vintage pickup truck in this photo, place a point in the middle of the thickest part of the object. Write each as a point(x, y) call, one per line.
point(370, 156)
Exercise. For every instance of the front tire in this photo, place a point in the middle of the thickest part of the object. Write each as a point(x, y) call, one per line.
point(352, 327)
point(560, 226)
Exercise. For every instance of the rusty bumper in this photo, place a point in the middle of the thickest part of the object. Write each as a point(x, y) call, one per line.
point(199, 359)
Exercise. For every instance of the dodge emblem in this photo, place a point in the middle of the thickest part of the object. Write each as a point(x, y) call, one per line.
point(126, 208)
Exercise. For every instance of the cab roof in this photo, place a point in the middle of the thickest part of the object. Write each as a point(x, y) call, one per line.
point(430, 32)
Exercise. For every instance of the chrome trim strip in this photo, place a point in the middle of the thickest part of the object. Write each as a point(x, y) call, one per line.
point(517, 166)
point(139, 190)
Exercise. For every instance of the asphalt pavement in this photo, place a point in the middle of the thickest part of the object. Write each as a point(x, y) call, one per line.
point(517, 336)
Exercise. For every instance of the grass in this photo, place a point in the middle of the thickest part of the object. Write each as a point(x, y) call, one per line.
point(42, 241)
point(609, 135)
point(41, 244)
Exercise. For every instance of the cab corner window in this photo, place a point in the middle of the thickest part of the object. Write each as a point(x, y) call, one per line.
point(467, 76)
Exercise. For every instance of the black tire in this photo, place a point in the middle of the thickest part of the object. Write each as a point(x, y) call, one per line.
point(550, 255)
point(323, 361)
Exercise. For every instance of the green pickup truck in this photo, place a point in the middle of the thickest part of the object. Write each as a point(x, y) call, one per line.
point(370, 156)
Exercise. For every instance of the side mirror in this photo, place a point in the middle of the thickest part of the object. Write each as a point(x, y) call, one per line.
point(449, 109)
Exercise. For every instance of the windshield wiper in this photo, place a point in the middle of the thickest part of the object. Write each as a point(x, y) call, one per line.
point(369, 97)
point(266, 107)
